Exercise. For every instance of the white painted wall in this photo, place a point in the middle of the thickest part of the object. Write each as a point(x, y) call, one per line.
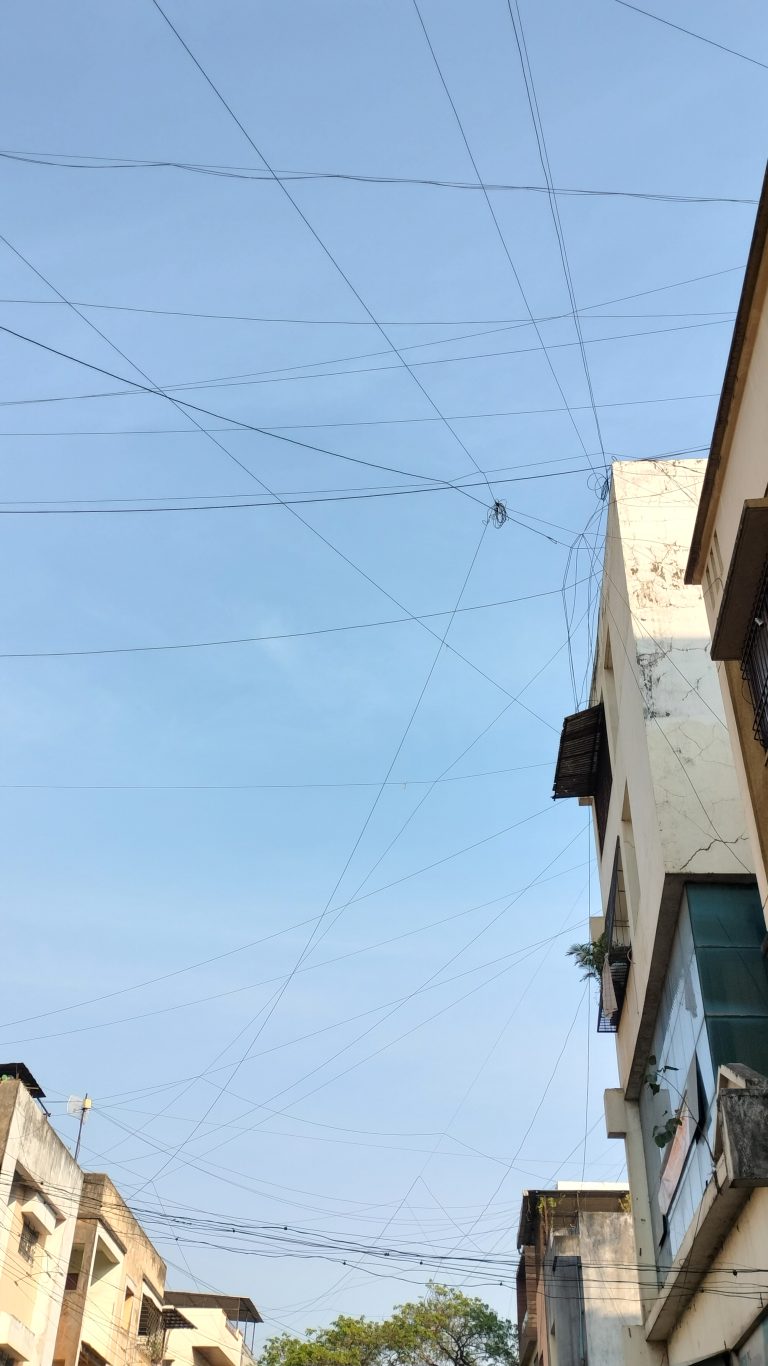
point(668, 738)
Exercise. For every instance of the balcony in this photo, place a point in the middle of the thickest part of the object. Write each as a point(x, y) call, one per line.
point(618, 953)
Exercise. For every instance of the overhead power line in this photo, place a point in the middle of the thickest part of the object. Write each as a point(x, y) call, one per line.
point(285, 500)
point(282, 635)
point(690, 33)
point(369, 422)
point(75, 161)
point(586, 309)
point(256, 379)
point(406, 365)
point(541, 144)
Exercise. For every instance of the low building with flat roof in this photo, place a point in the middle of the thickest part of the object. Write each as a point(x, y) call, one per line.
point(218, 1330)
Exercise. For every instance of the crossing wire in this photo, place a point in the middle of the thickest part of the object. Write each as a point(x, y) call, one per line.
point(497, 226)
point(320, 241)
point(276, 999)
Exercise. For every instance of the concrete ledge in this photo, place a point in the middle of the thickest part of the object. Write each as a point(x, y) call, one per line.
point(720, 1207)
point(16, 1337)
point(744, 1134)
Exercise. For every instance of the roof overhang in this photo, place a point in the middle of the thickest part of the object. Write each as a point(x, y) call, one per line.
point(238, 1308)
point(19, 1071)
point(757, 266)
point(748, 561)
point(579, 753)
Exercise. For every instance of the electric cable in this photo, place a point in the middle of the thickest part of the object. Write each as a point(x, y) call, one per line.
point(660, 20)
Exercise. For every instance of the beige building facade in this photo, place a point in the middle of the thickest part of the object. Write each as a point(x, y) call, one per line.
point(39, 1196)
point(683, 981)
point(729, 547)
point(113, 1305)
point(81, 1284)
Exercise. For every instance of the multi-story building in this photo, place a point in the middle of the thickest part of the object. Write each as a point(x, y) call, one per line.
point(39, 1194)
point(729, 548)
point(113, 1304)
point(209, 1329)
point(578, 1298)
point(683, 982)
point(80, 1282)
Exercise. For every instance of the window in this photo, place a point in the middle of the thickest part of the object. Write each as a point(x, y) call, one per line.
point(629, 861)
point(28, 1241)
point(150, 1318)
point(618, 956)
point(6, 1359)
point(74, 1269)
point(754, 660)
point(128, 1308)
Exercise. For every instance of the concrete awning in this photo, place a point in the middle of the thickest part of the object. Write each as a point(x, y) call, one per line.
point(748, 561)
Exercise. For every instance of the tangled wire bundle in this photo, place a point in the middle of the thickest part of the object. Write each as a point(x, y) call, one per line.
point(498, 513)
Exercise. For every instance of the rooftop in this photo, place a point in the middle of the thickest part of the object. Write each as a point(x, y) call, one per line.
point(19, 1071)
point(570, 1197)
point(238, 1308)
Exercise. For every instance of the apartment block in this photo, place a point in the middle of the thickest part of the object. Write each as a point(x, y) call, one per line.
point(113, 1304)
point(729, 547)
point(679, 949)
point(40, 1187)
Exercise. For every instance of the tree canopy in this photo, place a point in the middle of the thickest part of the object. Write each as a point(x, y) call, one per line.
point(445, 1328)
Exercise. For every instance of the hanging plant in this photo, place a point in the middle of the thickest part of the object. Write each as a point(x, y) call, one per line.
point(590, 957)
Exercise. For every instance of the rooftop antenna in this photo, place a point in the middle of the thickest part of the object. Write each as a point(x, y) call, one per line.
point(79, 1105)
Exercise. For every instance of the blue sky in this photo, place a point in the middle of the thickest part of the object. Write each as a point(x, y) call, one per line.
point(163, 808)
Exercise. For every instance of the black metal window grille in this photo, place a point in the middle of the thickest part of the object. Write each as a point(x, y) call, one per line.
point(150, 1318)
point(6, 1359)
point(618, 952)
point(28, 1241)
point(754, 662)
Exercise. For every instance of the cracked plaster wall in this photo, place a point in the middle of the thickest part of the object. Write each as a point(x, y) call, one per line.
point(701, 822)
point(673, 772)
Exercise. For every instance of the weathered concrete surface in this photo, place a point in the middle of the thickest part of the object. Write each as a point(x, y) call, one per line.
point(675, 805)
point(39, 1182)
point(119, 1266)
point(744, 1129)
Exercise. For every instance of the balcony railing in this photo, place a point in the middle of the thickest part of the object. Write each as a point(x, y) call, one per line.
point(754, 660)
point(618, 954)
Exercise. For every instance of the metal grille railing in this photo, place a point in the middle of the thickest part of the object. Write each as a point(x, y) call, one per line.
point(754, 662)
point(618, 953)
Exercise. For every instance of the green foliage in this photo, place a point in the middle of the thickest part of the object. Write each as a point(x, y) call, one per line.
point(445, 1328)
point(663, 1134)
point(590, 958)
